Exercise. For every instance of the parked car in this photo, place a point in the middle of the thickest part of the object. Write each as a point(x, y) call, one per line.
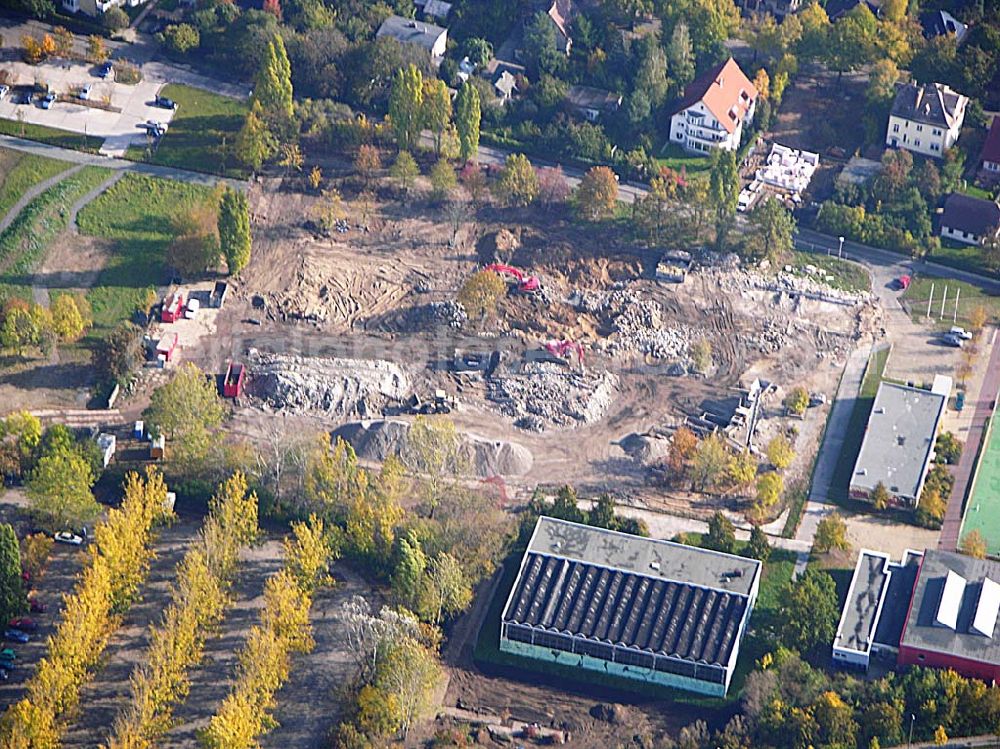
point(4, 90)
point(961, 332)
point(191, 311)
point(85, 91)
point(3, 674)
point(903, 283)
point(164, 103)
point(6, 665)
point(154, 130)
point(105, 70)
point(47, 101)
point(8, 653)
point(950, 339)
point(16, 635)
point(23, 623)
point(23, 98)
point(36, 606)
point(65, 537)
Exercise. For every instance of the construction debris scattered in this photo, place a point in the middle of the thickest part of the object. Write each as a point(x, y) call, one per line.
point(544, 395)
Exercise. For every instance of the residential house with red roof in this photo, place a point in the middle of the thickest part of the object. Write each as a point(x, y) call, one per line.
point(990, 157)
point(714, 110)
point(562, 13)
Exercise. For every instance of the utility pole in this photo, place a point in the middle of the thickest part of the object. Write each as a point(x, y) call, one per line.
point(958, 293)
point(930, 301)
point(840, 249)
point(909, 739)
point(943, 300)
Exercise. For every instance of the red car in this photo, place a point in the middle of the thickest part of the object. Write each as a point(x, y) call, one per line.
point(24, 624)
point(36, 606)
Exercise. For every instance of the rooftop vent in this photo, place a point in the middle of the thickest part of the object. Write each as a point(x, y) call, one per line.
point(900, 440)
point(654, 566)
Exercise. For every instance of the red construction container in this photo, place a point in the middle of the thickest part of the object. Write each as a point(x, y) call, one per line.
point(173, 307)
point(233, 385)
point(165, 346)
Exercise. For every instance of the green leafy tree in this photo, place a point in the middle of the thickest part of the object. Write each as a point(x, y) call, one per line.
point(831, 533)
point(13, 600)
point(406, 106)
point(436, 110)
point(974, 545)
point(404, 170)
point(518, 182)
point(59, 492)
point(721, 534)
point(742, 469)
point(881, 496)
point(481, 293)
point(797, 400)
point(467, 119)
point(779, 452)
point(723, 192)
point(186, 410)
point(701, 355)
point(450, 592)
point(602, 514)
point(117, 356)
point(769, 487)
point(758, 546)
point(540, 46)
point(234, 229)
point(181, 38)
point(597, 195)
point(851, 40)
point(443, 180)
point(709, 463)
point(255, 143)
point(408, 571)
point(809, 610)
point(273, 86)
point(771, 230)
point(680, 56)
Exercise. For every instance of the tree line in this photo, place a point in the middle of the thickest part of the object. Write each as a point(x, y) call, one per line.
point(199, 598)
point(117, 563)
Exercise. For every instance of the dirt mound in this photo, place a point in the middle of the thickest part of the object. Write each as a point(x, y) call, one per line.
point(498, 246)
point(544, 395)
point(339, 387)
point(644, 448)
point(377, 440)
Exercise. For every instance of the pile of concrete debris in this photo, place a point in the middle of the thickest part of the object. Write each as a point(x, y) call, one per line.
point(638, 325)
point(427, 317)
point(336, 387)
point(545, 395)
point(377, 440)
point(812, 286)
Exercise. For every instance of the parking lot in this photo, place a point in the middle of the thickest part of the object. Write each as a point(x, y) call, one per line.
point(131, 105)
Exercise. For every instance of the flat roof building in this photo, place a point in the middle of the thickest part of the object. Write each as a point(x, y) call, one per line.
point(952, 621)
point(652, 611)
point(875, 610)
point(898, 445)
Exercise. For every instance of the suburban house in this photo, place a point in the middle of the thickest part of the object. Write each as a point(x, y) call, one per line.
point(654, 612)
point(562, 12)
point(97, 7)
point(433, 39)
point(590, 103)
point(714, 110)
point(925, 119)
point(898, 445)
point(942, 23)
point(969, 220)
point(990, 157)
point(505, 85)
point(437, 9)
point(777, 8)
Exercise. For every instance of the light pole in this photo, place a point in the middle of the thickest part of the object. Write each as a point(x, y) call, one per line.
point(909, 739)
point(840, 250)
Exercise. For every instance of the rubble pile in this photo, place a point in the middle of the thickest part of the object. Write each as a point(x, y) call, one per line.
point(638, 325)
point(336, 387)
point(739, 280)
point(377, 440)
point(435, 314)
point(544, 395)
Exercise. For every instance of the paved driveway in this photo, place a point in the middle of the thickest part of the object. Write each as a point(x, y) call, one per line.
point(120, 129)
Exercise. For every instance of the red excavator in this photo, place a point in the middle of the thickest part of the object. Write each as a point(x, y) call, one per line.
point(562, 349)
point(525, 284)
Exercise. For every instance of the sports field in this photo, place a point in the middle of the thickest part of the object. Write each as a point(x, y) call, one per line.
point(983, 510)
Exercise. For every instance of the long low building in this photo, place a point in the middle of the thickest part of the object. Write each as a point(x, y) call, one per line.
point(936, 609)
point(651, 611)
point(898, 445)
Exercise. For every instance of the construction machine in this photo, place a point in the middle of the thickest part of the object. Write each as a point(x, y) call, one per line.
point(564, 348)
point(525, 284)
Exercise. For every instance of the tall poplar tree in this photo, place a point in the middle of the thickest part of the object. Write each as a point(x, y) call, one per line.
point(12, 598)
point(467, 118)
point(406, 106)
point(234, 229)
point(273, 85)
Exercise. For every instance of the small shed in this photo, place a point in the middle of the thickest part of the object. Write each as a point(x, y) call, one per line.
point(173, 307)
point(157, 448)
point(219, 293)
point(232, 387)
point(166, 347)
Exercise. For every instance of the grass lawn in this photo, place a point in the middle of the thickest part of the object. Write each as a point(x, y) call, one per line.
point(856, 426)
point(959, 255)
point(202, 132)
point(973, 191)
point(135, 214)
point(21, 171)
point(28, 237)
point(777, 572)
point(51, 136)
point(675, 157)
point(847, 276)
point(969, 297)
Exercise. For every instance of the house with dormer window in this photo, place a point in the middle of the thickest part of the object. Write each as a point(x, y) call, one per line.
point(926, 119)
point(714, 110)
